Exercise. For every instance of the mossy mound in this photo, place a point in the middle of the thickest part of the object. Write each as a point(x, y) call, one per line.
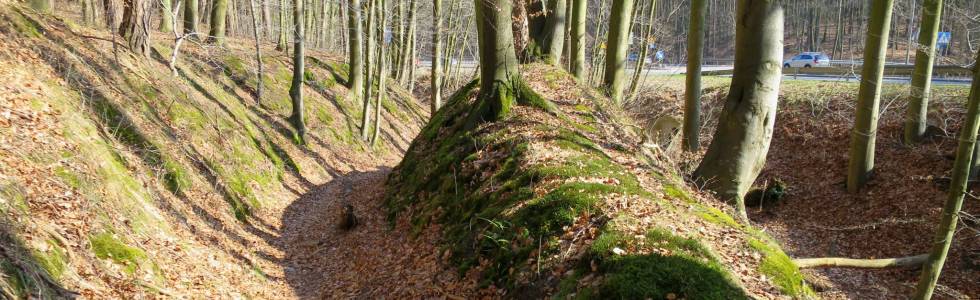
point(554, 200)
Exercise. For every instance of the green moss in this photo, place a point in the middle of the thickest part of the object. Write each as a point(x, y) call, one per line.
point(176, 177)
point(24, 25)
point(107, 246)
point(54, 260)
point(780, 269)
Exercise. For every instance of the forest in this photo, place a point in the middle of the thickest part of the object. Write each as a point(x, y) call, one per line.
point(489, 149)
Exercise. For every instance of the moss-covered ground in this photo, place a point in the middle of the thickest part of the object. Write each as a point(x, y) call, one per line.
point(548, 201)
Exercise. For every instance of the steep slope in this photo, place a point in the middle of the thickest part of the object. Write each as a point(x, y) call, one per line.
point(119, 180)
point(560, 199)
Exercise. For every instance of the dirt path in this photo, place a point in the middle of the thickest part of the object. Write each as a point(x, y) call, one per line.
point(373, 260)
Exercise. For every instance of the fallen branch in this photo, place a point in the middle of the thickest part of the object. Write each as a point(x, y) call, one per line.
point(829, 262)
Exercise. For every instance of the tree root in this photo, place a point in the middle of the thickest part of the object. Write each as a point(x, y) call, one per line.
point(840, 262)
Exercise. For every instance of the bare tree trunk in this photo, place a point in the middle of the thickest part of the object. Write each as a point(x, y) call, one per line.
point(219, 14)
point(498, 59)
point(925, 54)
point(370, 61)
point(692, 95)
point(382, 71)
point(135, 27)
point(296, 88)
point(863, 136)
point(645, 52)
point(579, 12)
point(166, 16)
point(738, 151)
point(355, 82)
point(436, 99)
point(190, 17)
point(616, 49)
point(258, 51)
point(954, 203)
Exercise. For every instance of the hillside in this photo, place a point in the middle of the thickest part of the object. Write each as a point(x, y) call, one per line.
point(560, 199)
point(119, 180)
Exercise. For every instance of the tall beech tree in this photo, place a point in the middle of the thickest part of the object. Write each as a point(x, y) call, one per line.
point(616, 48)
point(692, 88)
point(954, 202)
point(547, 30)
point(191, 17)
point(745, 127)
point(369, 64)
point(166, 16)
point(925, 54)
point(355, 54)
point(499, 77)
point(296, 88)
point(862, 154)
point(577, 38)
point(219, 15)
point(435, 100)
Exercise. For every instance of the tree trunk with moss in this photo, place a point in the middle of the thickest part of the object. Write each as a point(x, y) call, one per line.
point(258, 50)
point(219, 14)
point(578, 32)
point(862, 155)
point(370, 61)
point(135, 26)
point(41, 5)
point(382, 71)
point(166, 16)
point(498, 59)
point(355, 79)
point(435, 100)
point(616, 49)
point(190, 17)
point(692, 95)
point(296, 88)
point(925, 54)
point(745, 127)
point(547, 30)
point(958, 189)
point(283, 26)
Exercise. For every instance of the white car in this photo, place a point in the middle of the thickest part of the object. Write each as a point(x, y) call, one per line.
point(808, 60)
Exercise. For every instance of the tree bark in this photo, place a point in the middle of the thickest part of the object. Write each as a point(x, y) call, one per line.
point(355, 82)
point(692, 95)
point(281, 44)
point(862, 155)
point(382, 71)
point(550, 37)
point(41, 5)
point(258, 50)
point(369, 64)
point(166, 16)
point(296, 88)
point(738, 151)
point(135, 26)
point(616, 49)
point(827, 262)
point(579, 12)
point(435, 101)
point(954, 202)
point(190, 17)
point(925, 54)
point(498, 58)
point(219, 14)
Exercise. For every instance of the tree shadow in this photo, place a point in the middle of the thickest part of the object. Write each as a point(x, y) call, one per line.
point(23, 275)
point(315, 247)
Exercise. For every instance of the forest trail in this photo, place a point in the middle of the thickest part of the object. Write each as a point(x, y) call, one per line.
point(372, 260)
